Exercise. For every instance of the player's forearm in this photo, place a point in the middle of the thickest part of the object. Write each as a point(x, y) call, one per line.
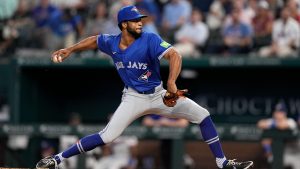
point(175, 62)
point(89, 43)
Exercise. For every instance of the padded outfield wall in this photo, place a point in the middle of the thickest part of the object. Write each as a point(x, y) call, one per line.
point(237, 89)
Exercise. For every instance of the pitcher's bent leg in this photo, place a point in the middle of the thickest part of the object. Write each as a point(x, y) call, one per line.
point(127, 111)
point(124, 115)
point(190, 110)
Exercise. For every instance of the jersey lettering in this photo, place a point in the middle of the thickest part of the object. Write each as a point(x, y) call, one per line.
point(119, 65)
point(132, 65)
point(137, 65)
point(140, 65)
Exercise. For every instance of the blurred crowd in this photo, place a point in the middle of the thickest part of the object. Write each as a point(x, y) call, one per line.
point(223, 27)
point(281, 121)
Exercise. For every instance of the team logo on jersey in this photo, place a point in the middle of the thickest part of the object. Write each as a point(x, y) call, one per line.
point(145, 76)
point(165, 44)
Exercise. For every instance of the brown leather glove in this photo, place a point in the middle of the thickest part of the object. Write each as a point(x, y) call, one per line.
point(170, 99)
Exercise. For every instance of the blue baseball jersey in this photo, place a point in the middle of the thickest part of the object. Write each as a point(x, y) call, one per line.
point(139, 64)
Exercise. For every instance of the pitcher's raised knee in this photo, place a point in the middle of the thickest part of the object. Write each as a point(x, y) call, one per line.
point(201, 115)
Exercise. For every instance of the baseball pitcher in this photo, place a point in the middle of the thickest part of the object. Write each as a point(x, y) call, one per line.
point(136, 56)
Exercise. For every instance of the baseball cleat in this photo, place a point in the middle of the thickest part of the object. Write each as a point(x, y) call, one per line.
point(232, 164)
point(48, 162)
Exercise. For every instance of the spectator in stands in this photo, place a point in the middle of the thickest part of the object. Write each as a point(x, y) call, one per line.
point(8, 35)
point(248, 9)
point(285, 37)
point(111, 27)
point(237, 36)
point(124, 151)
point(65, 27)
point(69, 3)
point(191, 37)
point(294, 8)
point(16, 29)
point(67, 140)
point(23, 23)
point(279, 121)
point(148, 22)
point(99, 21)
point(117, 5)
point(203, 5)
point(275, 5)
point(47, 148)
point(99, 158)
point(160, 121)
point(81, 7)
point(41, 15)
point(215, 18)
point(152, 9)
point(217, 13)
point(292, 151)
point(262, 25)
point(172, 20)
point(120, 154)
point(246, 12)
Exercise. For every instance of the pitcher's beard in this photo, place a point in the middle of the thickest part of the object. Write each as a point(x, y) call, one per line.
point(134, 33)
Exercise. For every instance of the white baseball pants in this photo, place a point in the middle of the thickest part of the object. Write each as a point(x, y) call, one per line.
point(135, 105)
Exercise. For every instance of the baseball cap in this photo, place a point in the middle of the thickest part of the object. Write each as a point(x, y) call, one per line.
point(128, 13)
point(280, 107)
point(263, 4)
point(46, 145)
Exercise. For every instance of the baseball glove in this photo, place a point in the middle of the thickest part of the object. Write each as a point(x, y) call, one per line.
point(170, 99)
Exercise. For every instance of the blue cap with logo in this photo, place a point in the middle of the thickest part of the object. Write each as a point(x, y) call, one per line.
point(281, 107)
point(128, 13)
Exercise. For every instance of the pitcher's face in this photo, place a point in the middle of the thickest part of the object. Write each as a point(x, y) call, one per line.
point(135, 27)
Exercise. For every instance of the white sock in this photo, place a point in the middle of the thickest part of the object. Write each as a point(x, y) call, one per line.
point(220, 162)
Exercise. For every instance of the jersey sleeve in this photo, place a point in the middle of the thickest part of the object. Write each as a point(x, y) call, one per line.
point(158, 47)
point(103, 43)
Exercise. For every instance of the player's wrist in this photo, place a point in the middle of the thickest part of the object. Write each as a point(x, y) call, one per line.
point(71, 49)
point(171, 83)
point(171, 86)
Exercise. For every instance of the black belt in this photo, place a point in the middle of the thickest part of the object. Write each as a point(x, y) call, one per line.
point(151, 91)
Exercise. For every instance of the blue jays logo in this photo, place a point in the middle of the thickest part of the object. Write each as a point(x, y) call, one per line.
point(135, 9)
point(145, 76)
